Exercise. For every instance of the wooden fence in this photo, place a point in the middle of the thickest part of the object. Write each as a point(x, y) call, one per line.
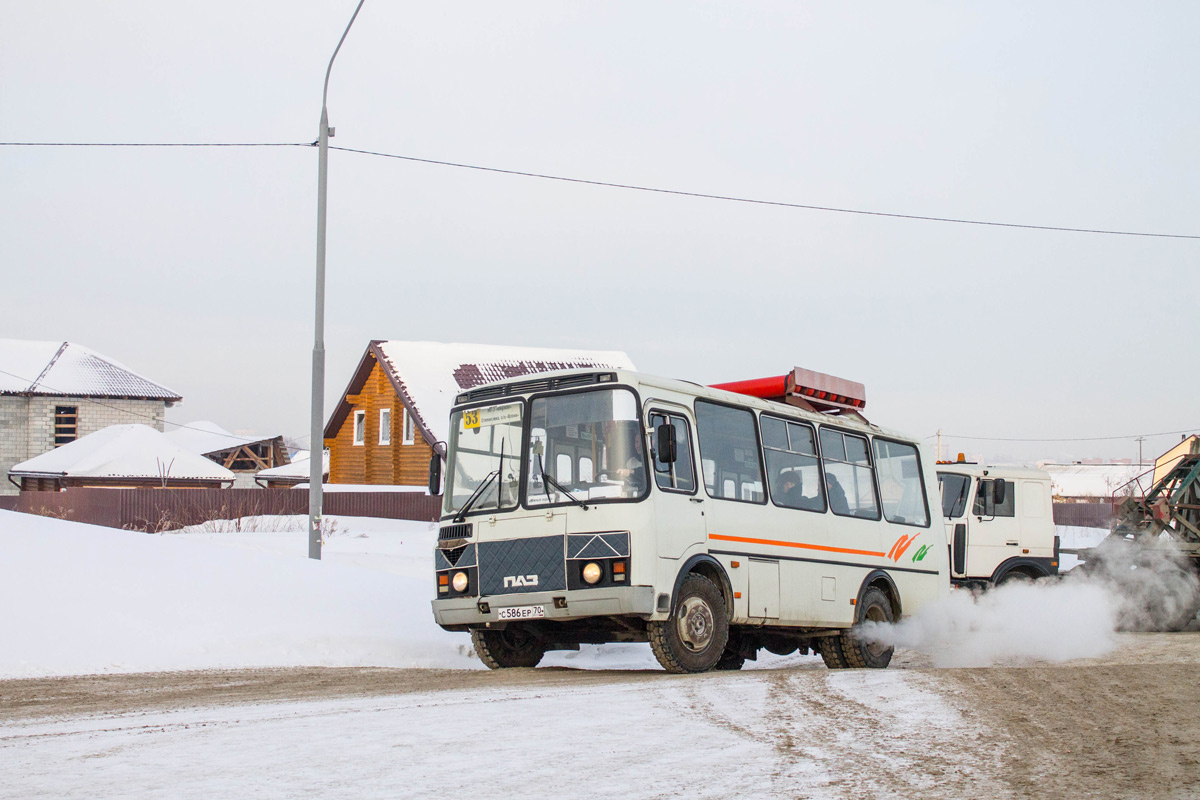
point(168, 509)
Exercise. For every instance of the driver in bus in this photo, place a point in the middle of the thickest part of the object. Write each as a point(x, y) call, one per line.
point(625, 449)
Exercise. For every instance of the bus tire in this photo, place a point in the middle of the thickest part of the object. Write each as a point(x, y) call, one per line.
point(511, 647)
point(849, 649)
point(735, 653)
point(694, 637)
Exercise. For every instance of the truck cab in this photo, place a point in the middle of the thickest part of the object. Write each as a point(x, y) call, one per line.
point(999, 523)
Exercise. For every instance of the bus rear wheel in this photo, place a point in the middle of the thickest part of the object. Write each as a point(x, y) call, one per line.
point(511, 647)
point(847, 650)
point(693, 638)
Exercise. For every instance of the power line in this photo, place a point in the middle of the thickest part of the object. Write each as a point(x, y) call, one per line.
point(778, 203)
point(628, 186)
point(156, 144)
point(1073, 439)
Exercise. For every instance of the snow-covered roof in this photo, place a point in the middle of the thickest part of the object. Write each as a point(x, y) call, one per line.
point(297, 469)
point(206, 437)
point(66, 368)
point(429, 375)
point(123, 451)
point(1091, 480)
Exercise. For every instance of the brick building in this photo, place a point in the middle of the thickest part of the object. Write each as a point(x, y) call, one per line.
point(397, 406)
point(52, 393)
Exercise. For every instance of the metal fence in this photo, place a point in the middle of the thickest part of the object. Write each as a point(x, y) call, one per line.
point(1084, 515)
point(168, 509)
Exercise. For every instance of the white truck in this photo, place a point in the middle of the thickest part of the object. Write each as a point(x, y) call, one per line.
point(999, 523)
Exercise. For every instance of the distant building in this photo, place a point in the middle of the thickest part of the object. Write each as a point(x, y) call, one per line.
point(120, 457)
point(397, 405)
point(52, 393)
point(244, 455)
point(1094, 481)
point(292, 474)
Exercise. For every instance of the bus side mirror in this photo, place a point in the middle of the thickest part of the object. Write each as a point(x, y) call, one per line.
point(666, 451)
point(435, 474)
point(998, 493)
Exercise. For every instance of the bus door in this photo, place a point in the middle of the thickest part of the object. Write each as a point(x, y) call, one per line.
point(678, 503)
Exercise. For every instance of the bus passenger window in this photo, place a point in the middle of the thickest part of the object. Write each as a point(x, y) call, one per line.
point(900, 486)
point(729, 442)
point(792, 467)
point(849, 480)
point(678, 476)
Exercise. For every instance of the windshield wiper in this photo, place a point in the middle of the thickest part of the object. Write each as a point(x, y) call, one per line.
point(547, 480)
point(462, 513)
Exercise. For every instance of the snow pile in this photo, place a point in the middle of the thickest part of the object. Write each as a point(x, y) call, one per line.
point(83, 599)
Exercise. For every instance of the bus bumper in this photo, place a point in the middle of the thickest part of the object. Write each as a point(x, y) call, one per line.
point(459, 613)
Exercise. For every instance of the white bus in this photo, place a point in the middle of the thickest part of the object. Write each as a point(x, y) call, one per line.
point(610, 506)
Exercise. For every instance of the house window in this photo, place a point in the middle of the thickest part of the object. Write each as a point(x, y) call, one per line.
point(385, 426)
point(66, 424)
point(360, 427)
point(410, 428)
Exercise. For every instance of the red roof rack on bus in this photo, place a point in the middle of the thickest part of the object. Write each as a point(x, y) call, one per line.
point(804, 388)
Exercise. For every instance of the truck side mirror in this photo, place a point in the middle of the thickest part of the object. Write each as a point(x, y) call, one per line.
point(998, 491)
point(435, 474)
point(666, 451)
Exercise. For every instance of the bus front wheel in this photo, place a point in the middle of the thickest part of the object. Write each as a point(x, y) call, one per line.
point(511, 647)
point(693, 639)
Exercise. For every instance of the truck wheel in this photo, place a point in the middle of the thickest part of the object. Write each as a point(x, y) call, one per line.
point(848, 651)
point(511, 647)
point(693, 638)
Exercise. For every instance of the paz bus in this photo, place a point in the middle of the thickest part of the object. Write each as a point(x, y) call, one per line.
point(594, 506)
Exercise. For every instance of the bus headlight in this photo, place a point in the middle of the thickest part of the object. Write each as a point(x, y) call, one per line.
point(592, 572)
point(460, 581)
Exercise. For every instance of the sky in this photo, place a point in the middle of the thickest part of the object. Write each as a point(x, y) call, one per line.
point(195, 266)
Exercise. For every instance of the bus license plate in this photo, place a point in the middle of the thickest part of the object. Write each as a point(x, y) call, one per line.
point(521, 612)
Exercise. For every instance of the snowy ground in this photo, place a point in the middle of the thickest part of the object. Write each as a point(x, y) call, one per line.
point(233, 594)
point(84, 600)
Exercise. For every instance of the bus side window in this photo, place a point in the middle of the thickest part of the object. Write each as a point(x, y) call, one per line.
point(678, 476)
point(729, 441)
point(900, 486)
point(793, 471)
point(849, 479)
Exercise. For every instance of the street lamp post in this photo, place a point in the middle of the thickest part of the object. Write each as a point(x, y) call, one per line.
point(316, 443)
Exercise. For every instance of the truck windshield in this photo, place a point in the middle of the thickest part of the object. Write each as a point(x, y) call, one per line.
point(583, 447)
point(954, 493)
point(484, 458)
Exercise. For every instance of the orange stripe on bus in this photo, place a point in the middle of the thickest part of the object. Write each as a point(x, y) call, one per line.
point(801, 545)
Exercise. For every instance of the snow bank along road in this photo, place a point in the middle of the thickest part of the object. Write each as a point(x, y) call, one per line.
point(1119, 726)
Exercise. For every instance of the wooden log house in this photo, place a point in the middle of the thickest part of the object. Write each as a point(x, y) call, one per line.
point(396, 407)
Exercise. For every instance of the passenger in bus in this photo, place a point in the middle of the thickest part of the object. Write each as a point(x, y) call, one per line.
point(837, 495)
point(791, 489)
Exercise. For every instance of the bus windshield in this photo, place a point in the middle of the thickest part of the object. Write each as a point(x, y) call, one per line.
point(484, 458)
point(585, 446)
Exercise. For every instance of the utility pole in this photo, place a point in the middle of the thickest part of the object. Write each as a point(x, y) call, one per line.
point(316, 442)
point(1139, 440)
